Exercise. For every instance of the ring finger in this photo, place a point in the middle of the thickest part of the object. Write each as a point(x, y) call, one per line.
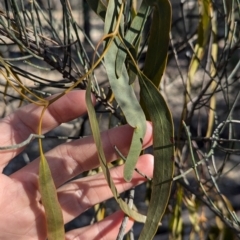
point(79, 195)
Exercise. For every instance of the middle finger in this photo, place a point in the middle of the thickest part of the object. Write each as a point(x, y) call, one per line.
point(70, 159)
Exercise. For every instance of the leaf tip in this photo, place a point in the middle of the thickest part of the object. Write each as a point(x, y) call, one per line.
point(127, 175)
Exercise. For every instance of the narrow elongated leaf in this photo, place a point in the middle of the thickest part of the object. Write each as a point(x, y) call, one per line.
point(176, 222)
point(202, 41)
point(156, 57)
point(103, 162)
point(199, 51)
point(123, 92)
point(53, 212)
point(163, 155)
point(132, 36)
point(214, 54)
point(157, 111)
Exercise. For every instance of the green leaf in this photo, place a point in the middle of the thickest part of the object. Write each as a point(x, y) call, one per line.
point(199, 51)
point(163, 155)
point(132, 36)
point(123, 92)
point(176, 222)
point(202, 41)
point(156, 57)
point(103, 162)
point(53, 212)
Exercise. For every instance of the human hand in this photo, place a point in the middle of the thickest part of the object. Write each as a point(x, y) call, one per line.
point(21, 212)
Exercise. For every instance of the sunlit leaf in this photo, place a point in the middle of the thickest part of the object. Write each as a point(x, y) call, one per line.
point(53, 212)
point(203, 35)
point(199, 50)
point(213, 72)
point(176, 223)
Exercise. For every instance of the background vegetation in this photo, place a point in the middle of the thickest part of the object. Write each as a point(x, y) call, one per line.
point(52, 46)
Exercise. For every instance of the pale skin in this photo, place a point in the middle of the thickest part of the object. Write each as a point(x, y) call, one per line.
point(21, 212)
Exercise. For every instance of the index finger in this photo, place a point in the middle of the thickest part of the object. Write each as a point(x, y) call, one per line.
point(17, 127)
